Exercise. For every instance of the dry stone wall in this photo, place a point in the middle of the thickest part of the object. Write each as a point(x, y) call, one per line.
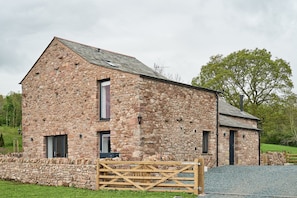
point(273, 158)
point(80, 173)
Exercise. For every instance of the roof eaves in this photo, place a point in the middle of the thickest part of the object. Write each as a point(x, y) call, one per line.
point(238, 116)
point(179, 84)
point(240, 127)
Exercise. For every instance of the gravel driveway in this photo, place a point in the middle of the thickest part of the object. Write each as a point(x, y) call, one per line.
point(251, 181)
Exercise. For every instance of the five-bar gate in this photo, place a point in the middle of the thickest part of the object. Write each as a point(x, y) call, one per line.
point(151, 175)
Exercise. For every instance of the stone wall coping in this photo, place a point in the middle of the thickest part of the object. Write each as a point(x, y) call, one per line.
point(49, 160)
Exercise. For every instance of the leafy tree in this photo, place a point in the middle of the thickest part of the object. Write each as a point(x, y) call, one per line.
point(252, 73)
point(11, 110)
point(290, 110)
point(2, 117)
point(266, 84)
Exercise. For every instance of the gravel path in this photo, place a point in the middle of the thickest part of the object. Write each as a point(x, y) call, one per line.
point(251, 181)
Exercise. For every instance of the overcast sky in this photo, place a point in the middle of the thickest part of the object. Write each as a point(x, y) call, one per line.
point(179, 35)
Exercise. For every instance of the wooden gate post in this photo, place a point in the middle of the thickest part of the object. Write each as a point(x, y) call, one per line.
point(97, 174)
point(201, 175)
point(196, 177)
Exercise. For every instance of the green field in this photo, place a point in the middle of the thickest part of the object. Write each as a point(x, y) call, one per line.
point(278, 148)
point(15, 189)
point(9, 135)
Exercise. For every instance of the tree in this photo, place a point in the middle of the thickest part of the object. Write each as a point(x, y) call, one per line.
point(266, 84)
point(11, 110)
point(252, 73)
point(160, 70)
point(290, 110)
point(2, 117)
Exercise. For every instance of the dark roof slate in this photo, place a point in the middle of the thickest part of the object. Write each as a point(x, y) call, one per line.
point(231, 122)
point(227, 109)
point(110, 59)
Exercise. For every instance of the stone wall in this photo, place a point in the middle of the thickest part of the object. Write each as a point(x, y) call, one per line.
point(246, 146)
point(174, 118)
point(60, 97)
point(273, 158)
point(80, 173)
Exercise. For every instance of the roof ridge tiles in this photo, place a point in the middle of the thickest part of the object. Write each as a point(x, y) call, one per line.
point(99, 49)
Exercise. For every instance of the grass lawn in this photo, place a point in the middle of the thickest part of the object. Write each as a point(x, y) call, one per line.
point(15, 189)
point(10, 134)
point(278, 148)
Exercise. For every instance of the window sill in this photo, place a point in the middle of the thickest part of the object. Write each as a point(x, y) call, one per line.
point(109, 155)
point(104, 120)
point(205, 154)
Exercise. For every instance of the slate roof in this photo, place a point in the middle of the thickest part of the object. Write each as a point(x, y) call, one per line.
point(231, 122)
point(110, 59)
point(227, 109)
point(228, 113)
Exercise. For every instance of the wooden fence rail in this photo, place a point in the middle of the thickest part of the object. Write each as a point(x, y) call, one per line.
point(151, 176)
point(291, 158)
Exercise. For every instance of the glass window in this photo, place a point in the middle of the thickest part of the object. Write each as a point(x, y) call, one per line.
point(205, 142)
point(104, 99)
point(56, 146)
point(104, 143)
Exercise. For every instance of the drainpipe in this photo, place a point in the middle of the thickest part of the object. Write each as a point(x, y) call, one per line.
point(259, 147)
point(217, 130)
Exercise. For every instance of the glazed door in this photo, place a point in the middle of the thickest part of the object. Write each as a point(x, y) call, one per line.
point(231, 147)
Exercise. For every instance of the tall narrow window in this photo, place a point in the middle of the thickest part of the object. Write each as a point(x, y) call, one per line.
point(105, 99)
point(105, 148)
point(205, 142)
point(56, 146)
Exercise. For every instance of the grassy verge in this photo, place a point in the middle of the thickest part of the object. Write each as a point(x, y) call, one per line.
point(278, 148)
point(10, 134)
point(15, 189)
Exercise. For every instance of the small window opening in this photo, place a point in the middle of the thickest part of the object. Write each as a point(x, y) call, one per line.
point(205, 141)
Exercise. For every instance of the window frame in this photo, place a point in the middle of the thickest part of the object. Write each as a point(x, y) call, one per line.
point(55, 144)
point(205, 142)
point(104, 100)
point(102, 134)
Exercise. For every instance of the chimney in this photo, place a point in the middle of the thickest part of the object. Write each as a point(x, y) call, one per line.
point(241, 102)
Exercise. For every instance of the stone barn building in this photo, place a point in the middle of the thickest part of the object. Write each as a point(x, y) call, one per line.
point(85, 102)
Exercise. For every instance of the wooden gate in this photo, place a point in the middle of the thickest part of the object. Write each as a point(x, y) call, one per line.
point(151, 176)
point(291, 158)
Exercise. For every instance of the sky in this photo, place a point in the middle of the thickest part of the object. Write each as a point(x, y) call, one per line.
point(178, 35)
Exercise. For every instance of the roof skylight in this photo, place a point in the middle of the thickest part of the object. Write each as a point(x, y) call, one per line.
point(112, 63)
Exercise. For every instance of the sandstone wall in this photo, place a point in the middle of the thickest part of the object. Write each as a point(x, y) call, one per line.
point(246, 146)
point(273, 158)
point(174, 118)
point(80, 173)
point(60, 97)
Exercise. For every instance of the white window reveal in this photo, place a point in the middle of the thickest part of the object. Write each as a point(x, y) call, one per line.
point(105, 99)
point(105, 142)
